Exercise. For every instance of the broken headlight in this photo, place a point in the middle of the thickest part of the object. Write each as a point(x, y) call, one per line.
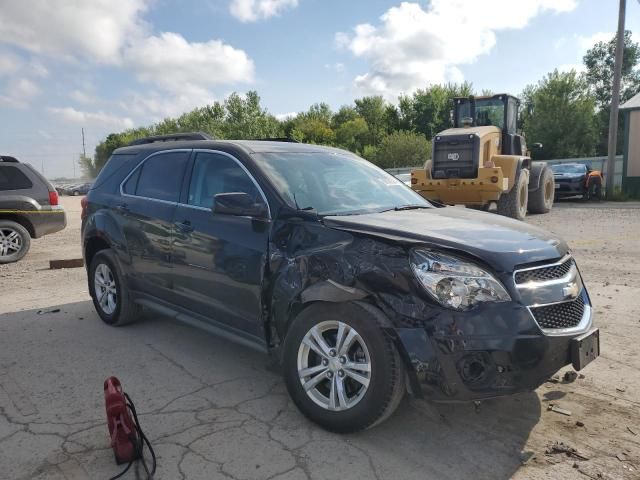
point(455, 283)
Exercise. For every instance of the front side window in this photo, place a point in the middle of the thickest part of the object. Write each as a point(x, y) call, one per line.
point(335, 183)
point(160, 177)
point(11, 178)
point(215, 173)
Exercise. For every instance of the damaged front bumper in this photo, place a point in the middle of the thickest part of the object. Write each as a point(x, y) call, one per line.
point(494, 350)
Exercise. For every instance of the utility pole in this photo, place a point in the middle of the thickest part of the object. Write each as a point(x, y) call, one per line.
point(84, 149)
point(615, 101)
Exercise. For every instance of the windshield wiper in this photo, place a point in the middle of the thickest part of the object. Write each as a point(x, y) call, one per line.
point(405, 207)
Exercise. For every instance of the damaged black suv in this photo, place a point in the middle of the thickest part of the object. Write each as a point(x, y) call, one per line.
point(357, 285)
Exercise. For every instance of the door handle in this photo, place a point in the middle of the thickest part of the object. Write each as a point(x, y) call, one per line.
point(123, 208)
point(184, 227)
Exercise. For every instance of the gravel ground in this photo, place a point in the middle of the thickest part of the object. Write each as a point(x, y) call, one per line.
point(214, 411)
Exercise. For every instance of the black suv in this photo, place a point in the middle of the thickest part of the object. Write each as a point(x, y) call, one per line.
point(28, 208)
point(356, 284)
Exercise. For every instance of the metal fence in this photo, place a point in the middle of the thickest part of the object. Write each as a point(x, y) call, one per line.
point(596, 163)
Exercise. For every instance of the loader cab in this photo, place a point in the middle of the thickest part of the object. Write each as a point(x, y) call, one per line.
point(500, 111)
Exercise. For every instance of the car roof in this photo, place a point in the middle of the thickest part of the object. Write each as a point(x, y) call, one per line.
point(248, 146)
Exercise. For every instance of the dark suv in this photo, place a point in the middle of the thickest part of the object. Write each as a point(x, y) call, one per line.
point(28, 208)
point(356, 284)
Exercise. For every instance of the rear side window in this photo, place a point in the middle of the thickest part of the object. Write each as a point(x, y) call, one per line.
point(11, 178)
point(115, 163)
point(160, 177)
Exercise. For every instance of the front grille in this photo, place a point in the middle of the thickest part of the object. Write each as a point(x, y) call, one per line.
point(543, 274)
point(455, 156)
point(560, 315)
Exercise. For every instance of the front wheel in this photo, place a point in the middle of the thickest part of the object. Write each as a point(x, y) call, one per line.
point(340, 369)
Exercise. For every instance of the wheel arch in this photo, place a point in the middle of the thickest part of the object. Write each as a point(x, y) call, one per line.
point(19, 219)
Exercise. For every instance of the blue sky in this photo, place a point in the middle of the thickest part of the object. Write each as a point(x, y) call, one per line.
point(106, 65)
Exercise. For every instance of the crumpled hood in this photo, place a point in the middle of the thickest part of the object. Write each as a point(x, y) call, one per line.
point(501, 242)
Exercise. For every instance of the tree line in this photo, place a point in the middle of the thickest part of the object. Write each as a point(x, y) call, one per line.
point(567, 112)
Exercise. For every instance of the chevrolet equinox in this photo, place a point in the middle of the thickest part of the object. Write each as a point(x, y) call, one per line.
point(359, 287)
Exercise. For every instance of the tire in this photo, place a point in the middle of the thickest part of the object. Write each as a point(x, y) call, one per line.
point(362, 405)
point(514, 203)
point(15, 241)
point(76, 193)
point(116, 307)
point(541, 200)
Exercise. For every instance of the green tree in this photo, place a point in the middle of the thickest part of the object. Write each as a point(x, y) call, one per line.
point(372, 109)
point(313, 126)
point(561, 116)
point(87, 166)
point(599, 62)
point(402, 149)
point(246, 119)
point(428, 111)
point(343, 115)
point(353, 134)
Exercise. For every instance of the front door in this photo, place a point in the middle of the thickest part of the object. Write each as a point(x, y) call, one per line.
point(219, 259)
point(148, 204)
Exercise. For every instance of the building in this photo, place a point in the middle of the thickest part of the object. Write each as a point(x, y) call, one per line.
point(631, 154)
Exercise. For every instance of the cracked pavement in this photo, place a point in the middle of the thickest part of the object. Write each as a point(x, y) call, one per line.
point(216, 410)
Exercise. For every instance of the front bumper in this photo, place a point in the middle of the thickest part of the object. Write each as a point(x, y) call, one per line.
point(465, 362)
point(569, 189)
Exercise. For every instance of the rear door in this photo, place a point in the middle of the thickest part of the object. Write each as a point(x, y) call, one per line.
point(149, 198)
point(220, 259)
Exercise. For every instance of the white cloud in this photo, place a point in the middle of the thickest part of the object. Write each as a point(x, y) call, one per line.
point(586, 42)
point(254, 10)
point(415, 46)
point(82, 97)
point(174, 64)
point(19, 92)
point(285, 116)
point(9, 63)
point(96, 29)
point(99, 118)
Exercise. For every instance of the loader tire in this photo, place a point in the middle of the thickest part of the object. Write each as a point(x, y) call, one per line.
point(514, 204)
point(541, 199)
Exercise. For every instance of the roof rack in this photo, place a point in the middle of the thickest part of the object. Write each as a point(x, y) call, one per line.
point(7, 158)
point(277, 139)
point(172, 137)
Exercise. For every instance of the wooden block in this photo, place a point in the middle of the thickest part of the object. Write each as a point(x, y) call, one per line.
point(71, 263)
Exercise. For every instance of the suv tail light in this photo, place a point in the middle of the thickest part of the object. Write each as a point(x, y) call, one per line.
point(84, 204)
point(53, 198)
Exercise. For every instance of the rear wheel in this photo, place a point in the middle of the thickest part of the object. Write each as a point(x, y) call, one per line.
point(15, 241)
point(514, 203)
point(340, 369)
point(541, 200)
point(109, 291)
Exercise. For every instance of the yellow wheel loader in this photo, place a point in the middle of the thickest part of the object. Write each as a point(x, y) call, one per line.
point(483, 162)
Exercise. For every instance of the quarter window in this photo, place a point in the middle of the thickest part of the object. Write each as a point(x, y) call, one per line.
point(13, 179)
point(214, 173)
point(160, 177)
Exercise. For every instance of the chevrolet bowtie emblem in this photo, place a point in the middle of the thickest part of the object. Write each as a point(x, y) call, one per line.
point(571, 290)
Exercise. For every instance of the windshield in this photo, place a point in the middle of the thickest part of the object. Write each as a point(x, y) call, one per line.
point(489, 111)
point(336, 183)
point(560, 168)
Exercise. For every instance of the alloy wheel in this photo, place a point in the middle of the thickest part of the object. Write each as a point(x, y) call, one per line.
point(10, 241)
point(105, 289)
point(334, 366)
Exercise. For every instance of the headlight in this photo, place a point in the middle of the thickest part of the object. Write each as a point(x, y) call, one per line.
point(455, 283)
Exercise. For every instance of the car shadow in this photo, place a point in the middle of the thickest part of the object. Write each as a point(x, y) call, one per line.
point(60, 359)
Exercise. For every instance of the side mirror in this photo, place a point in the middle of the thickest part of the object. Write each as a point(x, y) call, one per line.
point(239, 204)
